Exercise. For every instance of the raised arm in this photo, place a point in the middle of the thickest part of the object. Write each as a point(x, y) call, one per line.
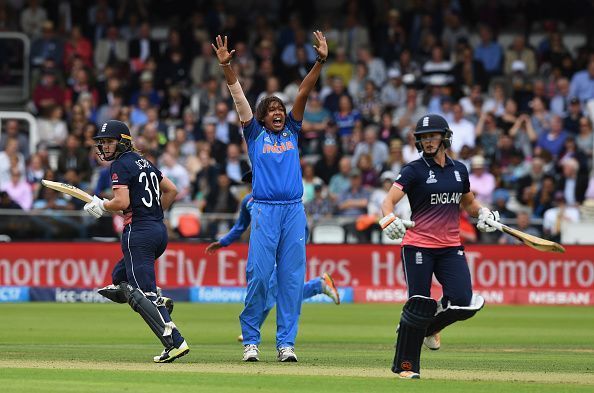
point(311, 78)
point(241, 103)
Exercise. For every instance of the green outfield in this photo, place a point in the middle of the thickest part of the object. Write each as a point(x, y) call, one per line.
point(49, 347)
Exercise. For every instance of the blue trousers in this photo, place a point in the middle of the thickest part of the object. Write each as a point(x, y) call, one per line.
point(449, 266)
point(277, 239)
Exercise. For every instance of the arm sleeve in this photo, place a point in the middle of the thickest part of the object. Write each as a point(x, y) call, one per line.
point(405, 179)
point(242, 223)
point(293, 125)
point(120, 175)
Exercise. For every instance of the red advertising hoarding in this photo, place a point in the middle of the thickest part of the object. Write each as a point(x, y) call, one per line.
point(503, 274)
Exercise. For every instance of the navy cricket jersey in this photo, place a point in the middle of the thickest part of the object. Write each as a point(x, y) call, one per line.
point(434, 194)
point(242, 223)
point(142, 179)
point(276, 170)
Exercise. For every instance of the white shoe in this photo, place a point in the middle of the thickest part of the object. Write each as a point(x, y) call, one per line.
point(409, 375)
point(433, 342)
point(251, 353)
point(286, 354)
point(170, 354)
point(240, 338)
point(329, 289)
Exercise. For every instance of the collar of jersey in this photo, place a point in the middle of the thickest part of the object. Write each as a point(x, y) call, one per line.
point(431, 162)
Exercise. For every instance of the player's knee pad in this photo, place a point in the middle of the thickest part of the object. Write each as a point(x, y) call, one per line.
point(151, 315)
point(417, 314)
point(449, 314)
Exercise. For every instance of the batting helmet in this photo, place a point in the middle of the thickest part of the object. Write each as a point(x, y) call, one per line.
point(433, 123)
point(118, 130)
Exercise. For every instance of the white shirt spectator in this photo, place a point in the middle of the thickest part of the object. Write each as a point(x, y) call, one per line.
point(463, 134)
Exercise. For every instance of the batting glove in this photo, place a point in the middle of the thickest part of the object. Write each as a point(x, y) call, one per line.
point(393, 226)
point(482, 224)
point(95, 208)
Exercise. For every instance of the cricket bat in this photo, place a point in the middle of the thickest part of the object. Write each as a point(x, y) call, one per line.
point(530, 240)
point(67, 189)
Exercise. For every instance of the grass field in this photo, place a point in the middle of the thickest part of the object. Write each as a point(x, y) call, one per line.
point(48, 347)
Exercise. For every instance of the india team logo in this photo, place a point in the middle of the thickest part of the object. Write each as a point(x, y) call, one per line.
point(431, 179)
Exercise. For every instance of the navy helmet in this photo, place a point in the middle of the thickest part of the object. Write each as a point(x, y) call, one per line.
point(114, 129)
point(433, 123)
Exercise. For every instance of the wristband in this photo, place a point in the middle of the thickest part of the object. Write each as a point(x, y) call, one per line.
point(225, 64)
point(320, 60)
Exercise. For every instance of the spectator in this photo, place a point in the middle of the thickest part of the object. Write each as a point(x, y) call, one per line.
point(80, 85)
point(340, 67)
point(454, 30)
point(482, 182)
point(173, 170)
point(560, 101)
point(73, 156)
point(340, 182)
point(173, 70)
point(319, 207)
point(353, 37)
point(393, 93)
point(353, 202)
point(356, 85)
point(374, 207)
point(48, 46)
point(315, 121)
point(18, 189)
point(52, 130)
point(142, 48)
point(346, 117)
point(463, 130)
point(205, 65)
point(147, 88)
point(11, 130)
point(585, 139)
point(32, 19)
point(226, 131)
point(522, 224)
point(328, 165)
point(174, 104)
point(519, 51)
point(543, 198)
point(524, 134)
point(488, 134)
point(111, 49)
point(553, 139)
point(489, 52)
point(469, 72)
point(234, 165)
point(500, 199)
point(558, 215)
point(572, 183)
point(406, 117)
point(378, 150)
point(369, 103)
point(369, 175)
point(77, 46)
point(309, 181)
point(138, 115)
point(205, 181)
point(582, 83)
point(289, 54)
point(571, 120)
point(47, 93)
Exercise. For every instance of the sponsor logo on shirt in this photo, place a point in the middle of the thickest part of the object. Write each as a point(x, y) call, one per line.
point(281, 148)
point(458, 178)
point(114, 178)
point(431, 179)
point(445, 198)
point(143, 163)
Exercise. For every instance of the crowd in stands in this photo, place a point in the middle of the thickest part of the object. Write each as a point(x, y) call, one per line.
point(521, 112)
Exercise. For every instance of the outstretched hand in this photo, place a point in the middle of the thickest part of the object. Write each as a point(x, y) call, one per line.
point(222, 52)
point(322, 47)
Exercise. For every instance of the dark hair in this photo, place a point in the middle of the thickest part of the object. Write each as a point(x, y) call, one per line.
point(262, 108)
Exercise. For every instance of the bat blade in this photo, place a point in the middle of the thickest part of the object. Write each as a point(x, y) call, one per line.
point(534, 241)
point(67, 189)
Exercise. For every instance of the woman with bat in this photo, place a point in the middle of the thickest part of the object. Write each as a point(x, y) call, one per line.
point(142, 193)
point(436, 186)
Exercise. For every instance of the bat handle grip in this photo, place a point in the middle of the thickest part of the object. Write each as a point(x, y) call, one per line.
point(408, 223)
point(495, 224)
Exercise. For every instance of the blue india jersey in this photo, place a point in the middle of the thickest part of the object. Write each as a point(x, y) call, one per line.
point(142, 179)
point(276, 169)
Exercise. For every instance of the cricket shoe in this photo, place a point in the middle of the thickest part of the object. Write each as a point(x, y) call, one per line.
point(170, 354)
point(433, 342)
point(286, 354)
point(251, 353)
point(409, 375)
point(329, 289)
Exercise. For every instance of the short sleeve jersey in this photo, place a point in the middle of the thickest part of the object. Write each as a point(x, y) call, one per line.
point(434, 194)
point(276, 170)
point(142, 179)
